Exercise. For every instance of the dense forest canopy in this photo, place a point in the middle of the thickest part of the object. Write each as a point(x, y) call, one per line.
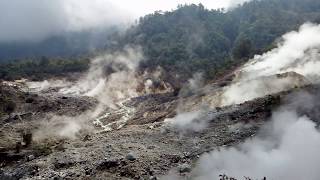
point(42, 68)
point(194, 39)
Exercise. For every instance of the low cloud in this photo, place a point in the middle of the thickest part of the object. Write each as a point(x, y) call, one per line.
point(35, 20)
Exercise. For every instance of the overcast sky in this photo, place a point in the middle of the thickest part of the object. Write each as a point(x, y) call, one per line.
point(34, 20)
point(141, 7)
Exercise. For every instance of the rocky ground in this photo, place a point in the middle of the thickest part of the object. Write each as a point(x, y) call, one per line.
point(131, 142)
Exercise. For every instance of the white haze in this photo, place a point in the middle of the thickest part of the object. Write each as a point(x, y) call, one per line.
point(35, 20)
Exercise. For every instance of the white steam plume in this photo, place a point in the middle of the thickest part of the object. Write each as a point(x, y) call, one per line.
point(244, 90)
point(187, 121)
point(298, 51)
point(35, 86)
point(287, 150)
point(189, 118)
point(295, 63)
point(65, 126)
point(297, 55)
point(287, 147)
point(111, 77)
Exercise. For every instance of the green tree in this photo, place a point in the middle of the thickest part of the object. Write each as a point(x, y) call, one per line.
point(243, 49)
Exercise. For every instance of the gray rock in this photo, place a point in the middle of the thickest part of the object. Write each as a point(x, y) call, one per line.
point(30, 157)
point(131, 156)
point(24, 171)
point(153, 178)
point(184, 168)
point(108, 163)
point(63, 163)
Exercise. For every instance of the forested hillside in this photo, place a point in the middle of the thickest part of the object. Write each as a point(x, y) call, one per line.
point(42, 68)
point(194, 39)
